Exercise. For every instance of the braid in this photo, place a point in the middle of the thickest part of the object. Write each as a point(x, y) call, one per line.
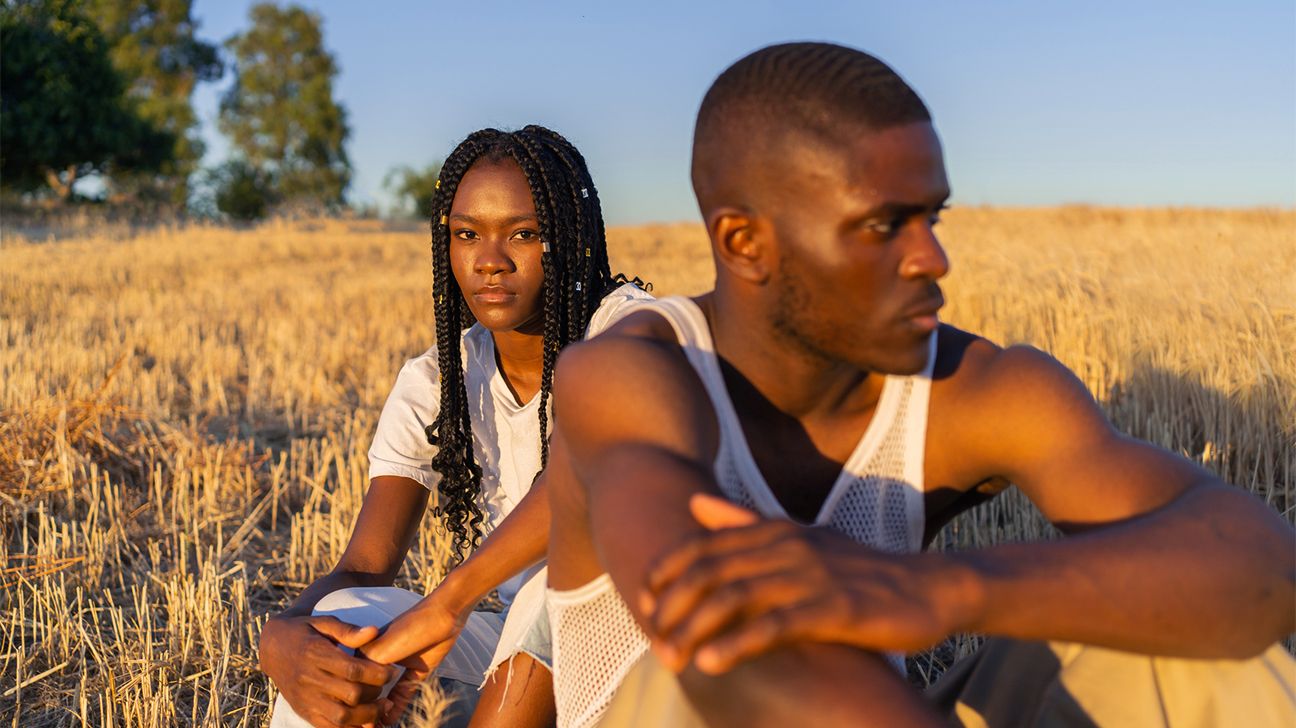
point(576, 278)
point(452, 431)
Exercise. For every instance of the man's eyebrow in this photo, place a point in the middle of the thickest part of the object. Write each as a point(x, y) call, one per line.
point(904, 209)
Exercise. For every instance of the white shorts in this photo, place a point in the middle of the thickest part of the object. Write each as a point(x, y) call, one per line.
point(467, 662)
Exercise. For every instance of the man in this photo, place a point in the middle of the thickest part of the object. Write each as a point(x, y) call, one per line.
point(815, 384)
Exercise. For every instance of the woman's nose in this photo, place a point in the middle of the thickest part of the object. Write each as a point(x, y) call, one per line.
point(493, 259)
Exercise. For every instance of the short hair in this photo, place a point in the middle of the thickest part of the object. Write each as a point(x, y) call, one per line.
point(820, 90)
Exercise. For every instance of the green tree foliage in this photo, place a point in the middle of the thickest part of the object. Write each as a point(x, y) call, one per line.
point(241, 192)
point(153, 45)
point(414, 188)
point(280, 113)
point(63, 109)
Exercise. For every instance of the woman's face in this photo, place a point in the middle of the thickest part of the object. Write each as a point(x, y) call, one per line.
point(495, 247)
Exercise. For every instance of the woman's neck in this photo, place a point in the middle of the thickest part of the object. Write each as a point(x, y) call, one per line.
point(520, 358)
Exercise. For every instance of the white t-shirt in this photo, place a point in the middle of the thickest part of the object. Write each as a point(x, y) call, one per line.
point(506, 435)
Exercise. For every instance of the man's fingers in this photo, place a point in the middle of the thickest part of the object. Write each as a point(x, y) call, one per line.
point(716, 513)
point(806, 622)
point(682, 597)
point(717, 544)
point(349, 635)
point(742, 643)
point(728, 607)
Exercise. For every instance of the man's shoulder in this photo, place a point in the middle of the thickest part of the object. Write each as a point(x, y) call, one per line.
point(975, 369)
point(639, 330)
point(637, 358)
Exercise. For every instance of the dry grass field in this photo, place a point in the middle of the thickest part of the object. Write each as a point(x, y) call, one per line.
point(184, 414)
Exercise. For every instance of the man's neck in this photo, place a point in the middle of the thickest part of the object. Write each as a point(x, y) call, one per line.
point(800, 383)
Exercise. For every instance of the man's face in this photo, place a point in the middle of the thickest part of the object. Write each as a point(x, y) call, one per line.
point(858, 262)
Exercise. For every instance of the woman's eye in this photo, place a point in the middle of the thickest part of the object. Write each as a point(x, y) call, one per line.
point(465, 234)
point(526, 235)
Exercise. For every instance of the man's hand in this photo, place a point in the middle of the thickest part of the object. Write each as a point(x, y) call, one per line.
point(749, 586)
point(324, 684)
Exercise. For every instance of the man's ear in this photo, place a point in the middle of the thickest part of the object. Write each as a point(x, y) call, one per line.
point(742, 243)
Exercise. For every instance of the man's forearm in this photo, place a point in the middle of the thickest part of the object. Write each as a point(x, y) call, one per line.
point(1211, 575)
point(643, 514)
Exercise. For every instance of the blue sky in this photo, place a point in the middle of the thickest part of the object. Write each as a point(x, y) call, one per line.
point(1037, 103)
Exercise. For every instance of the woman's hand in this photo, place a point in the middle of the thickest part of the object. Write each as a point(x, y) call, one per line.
point(324, 685)
point(418, 641)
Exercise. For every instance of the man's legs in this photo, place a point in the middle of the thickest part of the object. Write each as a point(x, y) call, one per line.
point(1011, 683)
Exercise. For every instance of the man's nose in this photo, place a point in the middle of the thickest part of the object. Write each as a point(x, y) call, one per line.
point(925, 256)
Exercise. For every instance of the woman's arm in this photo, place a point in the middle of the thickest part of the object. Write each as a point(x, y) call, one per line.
point(428, 629)
point(300, 652)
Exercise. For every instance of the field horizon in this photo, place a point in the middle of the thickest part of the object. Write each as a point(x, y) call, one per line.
point(185, 413)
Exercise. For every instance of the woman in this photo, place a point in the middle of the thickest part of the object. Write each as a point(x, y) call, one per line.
point(520, 262)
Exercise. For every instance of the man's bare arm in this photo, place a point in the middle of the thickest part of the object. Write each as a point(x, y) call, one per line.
point(636, 431)
point(1164, 559)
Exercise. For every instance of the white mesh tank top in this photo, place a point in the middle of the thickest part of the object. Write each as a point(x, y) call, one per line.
point(877, 500)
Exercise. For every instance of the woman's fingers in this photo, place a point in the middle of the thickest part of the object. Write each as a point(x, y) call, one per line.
point(399, 699)
point(330, 713)
point(342, 633)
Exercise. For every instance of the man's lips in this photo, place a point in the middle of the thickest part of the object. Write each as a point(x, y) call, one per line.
point(924, 315)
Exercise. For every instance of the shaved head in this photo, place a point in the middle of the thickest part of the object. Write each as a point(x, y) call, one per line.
point(784, 97)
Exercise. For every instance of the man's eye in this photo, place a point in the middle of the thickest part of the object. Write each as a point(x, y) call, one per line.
point(884, 227)
point(935, 218)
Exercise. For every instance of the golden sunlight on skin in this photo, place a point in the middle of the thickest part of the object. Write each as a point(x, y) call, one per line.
point(162, 394)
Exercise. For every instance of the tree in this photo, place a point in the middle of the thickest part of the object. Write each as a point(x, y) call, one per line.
point(280, 113)
point(153, 46)
point(63, 110)
point(414, 188)
point(241, 191)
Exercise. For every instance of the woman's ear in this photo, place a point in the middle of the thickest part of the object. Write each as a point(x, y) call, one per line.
point(742, 243)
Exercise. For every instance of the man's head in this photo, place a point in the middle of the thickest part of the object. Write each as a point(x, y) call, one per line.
point(819, 175)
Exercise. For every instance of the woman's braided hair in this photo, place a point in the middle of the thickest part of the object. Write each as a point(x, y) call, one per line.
point(576, 278)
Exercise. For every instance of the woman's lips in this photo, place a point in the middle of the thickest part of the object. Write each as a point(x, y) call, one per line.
point(494, 294)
